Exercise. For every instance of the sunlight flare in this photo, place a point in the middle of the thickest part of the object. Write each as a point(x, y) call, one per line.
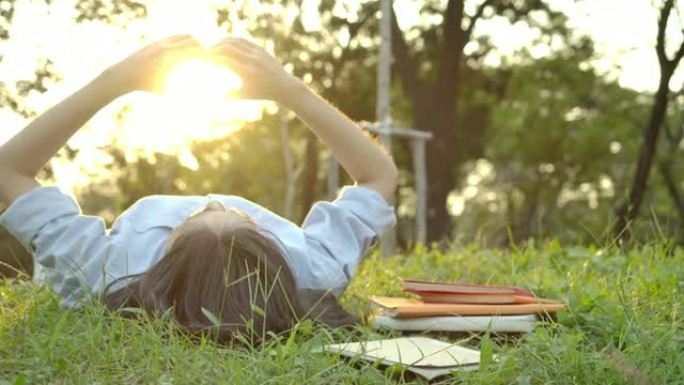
point(189, 80)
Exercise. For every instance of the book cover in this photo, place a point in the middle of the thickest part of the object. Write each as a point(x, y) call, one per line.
point(433, 297)
point(407, 308)
point(437, 297)
point(417, 286)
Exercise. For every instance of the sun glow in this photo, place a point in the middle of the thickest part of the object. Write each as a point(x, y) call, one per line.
point(198, 101)
point(199, 80)
point(201, 94)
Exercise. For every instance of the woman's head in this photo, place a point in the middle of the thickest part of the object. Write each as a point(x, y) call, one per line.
point(218, 264)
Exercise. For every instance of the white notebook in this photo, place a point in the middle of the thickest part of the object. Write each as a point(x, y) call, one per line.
point(502, 324)
point(424, 356)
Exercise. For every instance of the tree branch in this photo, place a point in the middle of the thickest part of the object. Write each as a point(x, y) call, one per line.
point(453, 14)
point(678, 56)
point(473, 20)
point(452, 46)
point(346, 49)
point(405, 63)
point(662, 26)
point(671, 186)
point(353, 30)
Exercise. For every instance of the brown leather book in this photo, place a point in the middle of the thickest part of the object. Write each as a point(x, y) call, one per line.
point(409, 308)
point(418, 287)
point(433, 297)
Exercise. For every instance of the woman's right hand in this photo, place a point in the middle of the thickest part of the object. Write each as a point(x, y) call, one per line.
point(143, 69)
point(262, 74)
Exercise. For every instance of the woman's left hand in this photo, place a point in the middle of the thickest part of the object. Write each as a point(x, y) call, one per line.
point(263, 76)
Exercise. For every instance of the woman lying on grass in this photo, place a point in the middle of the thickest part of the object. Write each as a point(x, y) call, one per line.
point(218, 263)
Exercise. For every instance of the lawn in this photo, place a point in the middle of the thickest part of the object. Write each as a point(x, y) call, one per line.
point(623, 325)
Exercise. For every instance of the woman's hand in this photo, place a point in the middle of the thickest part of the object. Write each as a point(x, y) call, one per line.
point(263, 76)
point(143, 70)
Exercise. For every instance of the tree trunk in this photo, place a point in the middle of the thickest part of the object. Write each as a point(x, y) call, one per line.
point(671, 186)
point(440, 167)
point(630, 208)
point(310, 180)
point(526, 218)
point(435, 109)
point(292, 173)
point(440, 183)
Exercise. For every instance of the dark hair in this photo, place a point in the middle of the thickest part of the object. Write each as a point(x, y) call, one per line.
point(221, 283)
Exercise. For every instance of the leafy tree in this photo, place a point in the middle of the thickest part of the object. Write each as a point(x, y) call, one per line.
point(669, 169)
point(629, 209)
point(560, 142)
point(429, 60)
point(431, 66)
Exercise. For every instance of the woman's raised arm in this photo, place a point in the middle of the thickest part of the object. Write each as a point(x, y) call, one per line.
point(264, 78)
point(27, 152)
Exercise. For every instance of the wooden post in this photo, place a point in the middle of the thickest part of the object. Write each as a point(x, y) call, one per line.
point(418, 139)
point(291, 173)
point(383, 113)
point(420, 174)
point(333, 177)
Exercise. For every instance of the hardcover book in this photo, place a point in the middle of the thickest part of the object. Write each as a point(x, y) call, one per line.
point(416, 286)
point(409, 308)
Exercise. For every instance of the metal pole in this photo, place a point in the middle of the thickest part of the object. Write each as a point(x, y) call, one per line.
point(419, 170)
point(333, 177)
point(383, 113)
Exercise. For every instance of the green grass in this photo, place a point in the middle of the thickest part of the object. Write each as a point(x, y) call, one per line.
point(623, 325)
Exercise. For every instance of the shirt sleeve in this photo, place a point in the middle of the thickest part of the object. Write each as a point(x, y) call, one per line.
point(339, 233)
point(69, 246)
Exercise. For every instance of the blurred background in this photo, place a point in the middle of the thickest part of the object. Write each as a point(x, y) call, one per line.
point(554, 119)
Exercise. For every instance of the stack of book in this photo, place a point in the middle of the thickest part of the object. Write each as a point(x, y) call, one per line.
point(461, 307)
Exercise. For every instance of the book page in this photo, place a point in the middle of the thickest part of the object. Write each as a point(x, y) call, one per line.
point(507, 324)
point(413, 351)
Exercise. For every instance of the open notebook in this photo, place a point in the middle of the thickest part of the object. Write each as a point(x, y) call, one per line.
point(427, 357)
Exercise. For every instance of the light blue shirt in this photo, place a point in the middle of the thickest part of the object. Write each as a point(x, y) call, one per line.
point(78, 257)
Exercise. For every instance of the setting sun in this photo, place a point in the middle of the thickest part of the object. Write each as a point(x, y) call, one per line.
point(199, 101)
point(189, 79)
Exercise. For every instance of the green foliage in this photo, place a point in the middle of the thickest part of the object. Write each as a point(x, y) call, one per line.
point(110, 11)
point(561, 139)
point(623, 325)
point(561, 143)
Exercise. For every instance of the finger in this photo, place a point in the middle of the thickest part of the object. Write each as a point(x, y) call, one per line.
point(235, 40)
point(189, 47)
point(240, 43)
point(175, 39)
point(244, 45)
point(232, 50)
point(230, 42)
point(239, 67)
point(185, 41)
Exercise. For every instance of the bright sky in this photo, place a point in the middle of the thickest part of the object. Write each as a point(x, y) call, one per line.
point(623, 30)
